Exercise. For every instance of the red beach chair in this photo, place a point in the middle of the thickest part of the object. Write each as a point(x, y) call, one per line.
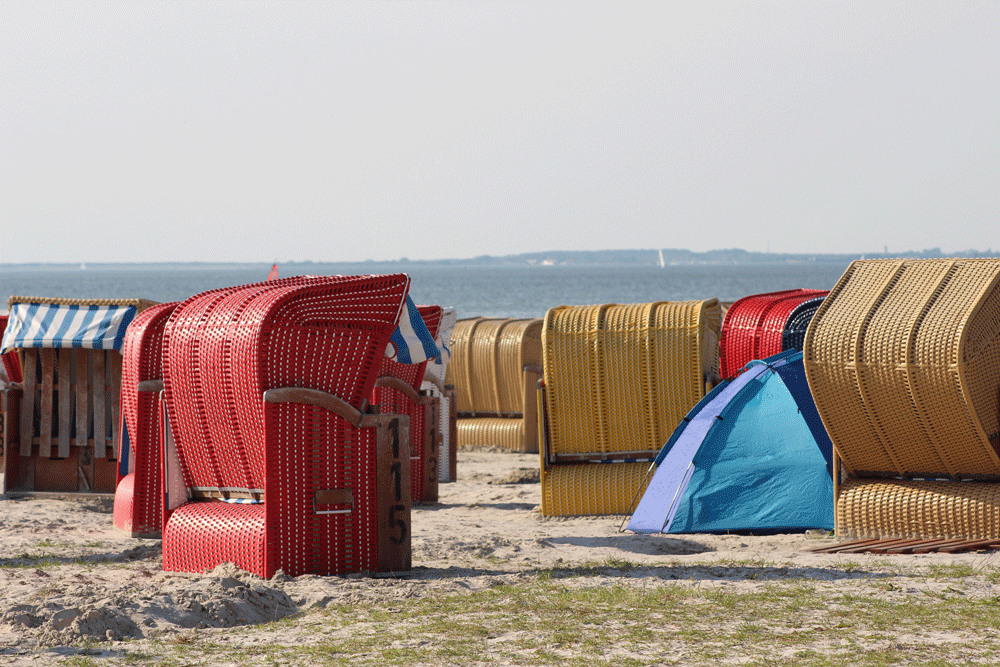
point(398, 391)
point(753, 327)
point(283, 466)
point(138, 508)
point(11, 364)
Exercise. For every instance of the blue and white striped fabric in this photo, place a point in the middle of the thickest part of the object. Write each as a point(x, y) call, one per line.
point(62, 325)
point(411, 342)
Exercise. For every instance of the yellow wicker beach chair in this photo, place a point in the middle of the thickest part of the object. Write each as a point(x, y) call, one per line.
point(495, 367)
point(618, 380)
point(903, 360)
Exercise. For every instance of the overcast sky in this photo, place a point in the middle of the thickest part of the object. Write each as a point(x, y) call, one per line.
point(342, 131)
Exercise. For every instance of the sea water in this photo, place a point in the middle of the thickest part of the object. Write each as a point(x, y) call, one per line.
point(473, 290)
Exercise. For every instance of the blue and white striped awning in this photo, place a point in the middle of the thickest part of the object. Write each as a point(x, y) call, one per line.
point(102, 327)
point(95, 327)
point(411, 342)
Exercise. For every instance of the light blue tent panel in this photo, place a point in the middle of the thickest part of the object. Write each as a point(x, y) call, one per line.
point(757, 467)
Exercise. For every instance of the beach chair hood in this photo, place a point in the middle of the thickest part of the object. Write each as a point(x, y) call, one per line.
point(752, 456)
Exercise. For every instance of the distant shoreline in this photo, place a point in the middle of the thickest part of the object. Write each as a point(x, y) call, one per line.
point(642, 257)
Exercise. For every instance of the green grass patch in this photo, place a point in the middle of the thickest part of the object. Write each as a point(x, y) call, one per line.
point(547, 621)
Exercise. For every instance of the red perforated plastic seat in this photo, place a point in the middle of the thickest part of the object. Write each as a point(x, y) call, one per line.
point(11, 364)
point(266, 386)
point(406, 398)
point(754, 325)
point(138, 508)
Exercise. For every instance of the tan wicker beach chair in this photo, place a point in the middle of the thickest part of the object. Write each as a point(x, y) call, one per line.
point(61, 422)
point(617, 381)
point(495, 367)
point(903, 360)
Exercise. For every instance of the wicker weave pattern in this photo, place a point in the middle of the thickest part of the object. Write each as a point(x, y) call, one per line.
point(918, 509)
point(620, 378)
point(798, 321)
point(492, 433)
point(138, 506)
point(140, 304)
point(487, 370)
point(595, 488)
point(754, 326)
point(223, 350)
point(11, 363)
point(902, 359)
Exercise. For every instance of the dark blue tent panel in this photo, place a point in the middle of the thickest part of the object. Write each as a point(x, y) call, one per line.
point(752, 456)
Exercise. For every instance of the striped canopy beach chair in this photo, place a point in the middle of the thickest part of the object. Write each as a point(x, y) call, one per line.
point(903, 360)
point(61, 421)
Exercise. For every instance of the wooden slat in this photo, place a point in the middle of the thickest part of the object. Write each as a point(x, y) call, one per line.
point(392, 472)
point(82, 368)
point(970, 545)
point(114, 391)
point(28, 402)
point(100, 405)
point(908, 546)
point(45, 403)
point(65, 402)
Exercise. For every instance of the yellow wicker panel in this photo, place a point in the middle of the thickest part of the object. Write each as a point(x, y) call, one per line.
point(491, 433)
point(918, 509)
point(487, 370)
point(902, 360)
point(592, 488)
point(620, 378)
point(518, 343)
point(460, 366)
point(488, 358)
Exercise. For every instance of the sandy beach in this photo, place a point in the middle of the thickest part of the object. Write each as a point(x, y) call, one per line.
point(71, 585)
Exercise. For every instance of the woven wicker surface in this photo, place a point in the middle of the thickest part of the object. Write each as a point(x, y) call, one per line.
point(903, 361)
point(223, 349)
point(491, 433)
point(620, 378)
point(317, 333)
point(592, 488)
point(487, 361)
point(138, 508)
point(140, 304)
point(754, 325)
point(487, 369)
point(918, 509)
point(798, 321)
point(11, 362)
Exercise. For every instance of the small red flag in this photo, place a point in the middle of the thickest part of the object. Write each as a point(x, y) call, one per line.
point(273, 275)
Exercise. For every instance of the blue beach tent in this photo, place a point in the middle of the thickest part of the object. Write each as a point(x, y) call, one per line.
point(752, 456)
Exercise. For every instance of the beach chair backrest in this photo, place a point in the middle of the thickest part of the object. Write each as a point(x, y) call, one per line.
point(224, 349)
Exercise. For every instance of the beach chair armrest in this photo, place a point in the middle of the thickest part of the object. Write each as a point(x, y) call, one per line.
point(319, 399)
point(389, 382)
point(434, 380)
